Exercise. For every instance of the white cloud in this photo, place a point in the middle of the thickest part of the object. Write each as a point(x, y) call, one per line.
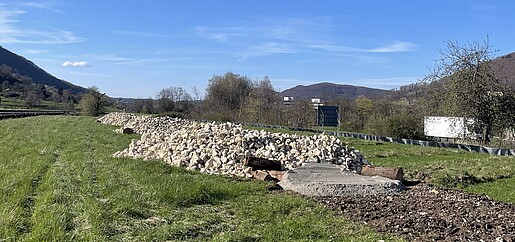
point(10, 32)
point(399, 46)
point(76, 64)
point(43, 6)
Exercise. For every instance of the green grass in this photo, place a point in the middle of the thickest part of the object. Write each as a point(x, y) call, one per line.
point(441, 166)
point(13, 103)
point(7, 102)
point(58, 182)
point(474, 172)
point(486, 174)
point(501, 190)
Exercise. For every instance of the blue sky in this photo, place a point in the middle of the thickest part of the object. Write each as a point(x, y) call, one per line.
point(136, 48)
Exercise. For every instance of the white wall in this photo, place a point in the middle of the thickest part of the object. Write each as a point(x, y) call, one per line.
point(448, 127)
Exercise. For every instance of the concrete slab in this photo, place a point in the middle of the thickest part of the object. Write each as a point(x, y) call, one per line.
point(326, 179)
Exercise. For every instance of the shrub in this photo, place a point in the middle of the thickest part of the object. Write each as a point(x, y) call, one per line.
point(400, 126)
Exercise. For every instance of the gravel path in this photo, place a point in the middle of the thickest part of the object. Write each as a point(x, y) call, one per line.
point(425, 213)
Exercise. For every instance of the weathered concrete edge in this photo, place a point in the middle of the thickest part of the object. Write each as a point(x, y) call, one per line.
point(341, 189)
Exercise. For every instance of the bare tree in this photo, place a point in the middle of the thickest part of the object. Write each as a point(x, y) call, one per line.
point(363, 108)
point(262, 105)
point(301, 114)
point(226, 94)
point(167, 98)
point(463, 84)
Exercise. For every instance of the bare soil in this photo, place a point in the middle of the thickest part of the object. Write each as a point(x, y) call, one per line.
point(426, 213)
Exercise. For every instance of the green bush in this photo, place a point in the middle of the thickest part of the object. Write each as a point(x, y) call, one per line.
point(399, 126)
point(406, 126)
point(377, 125)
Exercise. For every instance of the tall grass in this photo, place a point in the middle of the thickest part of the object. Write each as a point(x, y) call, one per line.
point(58, 182)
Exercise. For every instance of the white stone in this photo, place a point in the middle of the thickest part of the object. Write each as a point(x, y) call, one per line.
point(220, 148)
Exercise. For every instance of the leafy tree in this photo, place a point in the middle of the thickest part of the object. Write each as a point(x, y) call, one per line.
point(93, 102)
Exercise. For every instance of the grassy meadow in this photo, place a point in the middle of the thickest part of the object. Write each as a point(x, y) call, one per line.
point(58, 182)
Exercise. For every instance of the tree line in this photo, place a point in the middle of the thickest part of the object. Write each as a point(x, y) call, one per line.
point(462, 84)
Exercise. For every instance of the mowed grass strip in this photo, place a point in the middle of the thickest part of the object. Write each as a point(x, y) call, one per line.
point(58, 182)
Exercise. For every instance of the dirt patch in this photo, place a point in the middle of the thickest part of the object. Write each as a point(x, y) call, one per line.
point(426, 213)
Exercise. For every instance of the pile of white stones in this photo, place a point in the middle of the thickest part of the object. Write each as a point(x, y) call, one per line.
point(221, 148)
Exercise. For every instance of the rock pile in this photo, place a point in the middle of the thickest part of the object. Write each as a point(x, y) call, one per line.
point(221, 148)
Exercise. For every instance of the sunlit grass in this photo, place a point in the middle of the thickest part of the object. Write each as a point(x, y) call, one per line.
point(475, 172)
point(58, 182)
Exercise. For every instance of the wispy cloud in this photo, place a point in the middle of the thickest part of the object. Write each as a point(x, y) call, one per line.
point(141, 34)
point(119, 60)
point(399, 46)
point(76, 64)
point(268, 48)
point(45, 6)
point(265, 37)
point(220, 34)
point(334, 47)
point(35, 51)
point(148, 60)
point(107, 57)
point(10, 32)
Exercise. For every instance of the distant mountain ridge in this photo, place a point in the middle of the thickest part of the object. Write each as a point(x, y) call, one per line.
point(327, 91)
point(504, 69)
point(27, 68)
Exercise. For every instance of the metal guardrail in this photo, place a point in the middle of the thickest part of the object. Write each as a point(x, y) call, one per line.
point(5, 114)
